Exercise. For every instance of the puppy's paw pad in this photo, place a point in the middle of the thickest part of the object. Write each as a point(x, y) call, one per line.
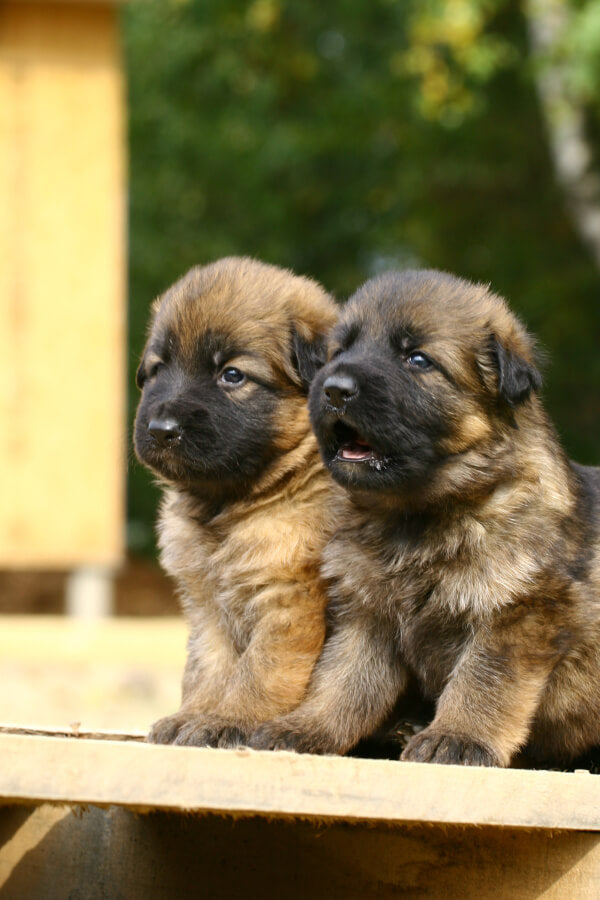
point(448, 749)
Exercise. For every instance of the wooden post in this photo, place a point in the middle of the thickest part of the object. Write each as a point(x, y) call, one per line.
point(62, 285)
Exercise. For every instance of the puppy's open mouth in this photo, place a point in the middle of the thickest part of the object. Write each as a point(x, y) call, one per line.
point(353, 447)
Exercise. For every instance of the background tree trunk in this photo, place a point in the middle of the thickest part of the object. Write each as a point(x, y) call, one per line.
point(548, 21)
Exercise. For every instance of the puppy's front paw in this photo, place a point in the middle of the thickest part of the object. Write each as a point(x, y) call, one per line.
point(232, 736)
point(204, 731)
point(433, 746)
point(272, 737)
point(284, 736)
point(164, 731)
point(190, 730)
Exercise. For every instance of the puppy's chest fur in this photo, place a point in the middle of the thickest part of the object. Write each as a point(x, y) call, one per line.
point(216, 578)
point(234, 568)
point(433, 587)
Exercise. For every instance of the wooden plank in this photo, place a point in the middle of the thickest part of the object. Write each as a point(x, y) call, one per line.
point(74, 731)
point(142, 776)
point(62, 285)
point(53, 852)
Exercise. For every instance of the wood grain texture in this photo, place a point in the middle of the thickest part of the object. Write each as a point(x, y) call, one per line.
point(56, 852)
point(143, 776)
point(90, 818)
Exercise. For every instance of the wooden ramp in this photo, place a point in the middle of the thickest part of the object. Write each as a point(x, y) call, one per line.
point(102, 818)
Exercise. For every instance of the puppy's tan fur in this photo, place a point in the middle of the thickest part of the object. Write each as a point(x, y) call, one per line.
point(242, 524)
point(469, 560)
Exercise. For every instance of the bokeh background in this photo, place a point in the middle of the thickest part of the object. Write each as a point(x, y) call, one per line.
point(348, 137)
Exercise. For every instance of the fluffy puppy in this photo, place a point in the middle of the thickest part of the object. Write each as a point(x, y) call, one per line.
point(469, 557)
point(247, 507)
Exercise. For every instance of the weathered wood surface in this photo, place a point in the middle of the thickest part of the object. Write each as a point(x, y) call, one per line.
point(141, 776)
point(90, 853)
point(81, 817)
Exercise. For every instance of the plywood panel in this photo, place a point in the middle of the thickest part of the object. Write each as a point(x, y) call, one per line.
point(62, 253)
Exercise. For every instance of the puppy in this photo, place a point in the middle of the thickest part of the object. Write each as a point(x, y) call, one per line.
point(469, 554)
point(247, 507)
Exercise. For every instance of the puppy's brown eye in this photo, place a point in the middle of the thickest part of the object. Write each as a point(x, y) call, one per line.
point(418, 360)
point(231, 375)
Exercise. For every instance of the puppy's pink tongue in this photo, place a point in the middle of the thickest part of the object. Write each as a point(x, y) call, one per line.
point(356, 450)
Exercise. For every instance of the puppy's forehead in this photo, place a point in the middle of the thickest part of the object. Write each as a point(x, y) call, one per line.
point(233, 303)
point(238, 302)
point(425, 305)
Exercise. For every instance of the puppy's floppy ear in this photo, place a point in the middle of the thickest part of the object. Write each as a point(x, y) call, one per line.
point(308, 355)
point(515, 378)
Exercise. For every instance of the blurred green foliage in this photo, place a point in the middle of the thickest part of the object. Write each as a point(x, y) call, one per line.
point(345, 138)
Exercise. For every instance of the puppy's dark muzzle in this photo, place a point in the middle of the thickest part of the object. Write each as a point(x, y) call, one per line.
point(165, 431)
point(339, 389)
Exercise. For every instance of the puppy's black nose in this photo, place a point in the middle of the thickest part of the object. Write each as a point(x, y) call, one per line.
point(339, 388)
point(164, 430)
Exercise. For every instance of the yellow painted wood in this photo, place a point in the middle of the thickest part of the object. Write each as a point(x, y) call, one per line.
point(62, 264)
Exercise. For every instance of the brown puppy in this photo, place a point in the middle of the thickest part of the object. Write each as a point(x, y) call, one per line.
point(470, 555)
point(223, 422)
